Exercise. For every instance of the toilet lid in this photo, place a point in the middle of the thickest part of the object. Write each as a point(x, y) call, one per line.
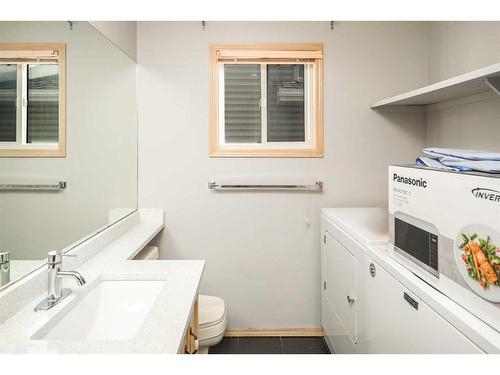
point(211, 310)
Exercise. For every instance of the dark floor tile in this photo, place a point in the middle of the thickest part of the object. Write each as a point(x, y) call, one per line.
point(260, 345)
point(228, 345)
point(304, 345)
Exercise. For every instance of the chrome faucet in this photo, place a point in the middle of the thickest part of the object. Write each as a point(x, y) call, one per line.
point(4, 268)
point(56, 293)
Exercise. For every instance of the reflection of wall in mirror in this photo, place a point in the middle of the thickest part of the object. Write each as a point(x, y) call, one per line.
point(101, 163)
point(122, 33)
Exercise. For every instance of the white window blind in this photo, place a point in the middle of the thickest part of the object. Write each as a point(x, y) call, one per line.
point(19, 54)
point(8, 100)
point(43, 103)
point(244, 54)
point(242, 100)
point(264, 103)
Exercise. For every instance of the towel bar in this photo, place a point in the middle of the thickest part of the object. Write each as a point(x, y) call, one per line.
point(317, 186)
point(29, 187)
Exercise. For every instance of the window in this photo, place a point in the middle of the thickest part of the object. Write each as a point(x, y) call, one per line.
point(266, 100)
point(32, 100)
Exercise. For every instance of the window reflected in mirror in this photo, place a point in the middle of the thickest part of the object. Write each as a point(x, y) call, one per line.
point(32, 97)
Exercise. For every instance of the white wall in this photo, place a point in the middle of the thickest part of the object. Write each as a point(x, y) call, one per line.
point(122, 33)
point(101, 162)
point(261, 257)
point(456, 48)
point(459, 47)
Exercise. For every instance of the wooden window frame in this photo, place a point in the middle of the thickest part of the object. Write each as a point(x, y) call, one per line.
point(15, 53)
point(258, 54)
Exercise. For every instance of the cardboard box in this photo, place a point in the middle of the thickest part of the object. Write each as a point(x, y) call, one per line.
point(462, 212)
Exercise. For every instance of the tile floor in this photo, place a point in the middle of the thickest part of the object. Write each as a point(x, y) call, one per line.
point(271, 345)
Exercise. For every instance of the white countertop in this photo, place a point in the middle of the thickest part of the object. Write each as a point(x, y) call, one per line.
point(367, 225)
point(164, 326)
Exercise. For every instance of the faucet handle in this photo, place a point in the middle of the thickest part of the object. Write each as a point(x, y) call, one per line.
point(4, 257)
point(55, 257)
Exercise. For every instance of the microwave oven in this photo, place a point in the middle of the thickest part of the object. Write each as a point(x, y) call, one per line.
point(418, 241)
point(445, 228)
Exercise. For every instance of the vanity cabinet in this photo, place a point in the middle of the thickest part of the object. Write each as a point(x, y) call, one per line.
point(192, 332)
point(397, 321)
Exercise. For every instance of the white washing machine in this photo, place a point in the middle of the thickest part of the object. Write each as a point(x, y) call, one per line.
point(344, 234)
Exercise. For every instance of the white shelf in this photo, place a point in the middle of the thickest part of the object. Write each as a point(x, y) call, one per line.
point(468, 84)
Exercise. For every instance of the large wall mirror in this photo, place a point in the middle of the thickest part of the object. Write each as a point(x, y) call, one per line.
point(68, 139)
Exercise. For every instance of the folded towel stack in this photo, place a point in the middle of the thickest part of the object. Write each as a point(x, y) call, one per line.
point(461, 160)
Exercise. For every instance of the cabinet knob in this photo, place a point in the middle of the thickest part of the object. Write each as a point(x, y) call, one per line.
point(351, 300)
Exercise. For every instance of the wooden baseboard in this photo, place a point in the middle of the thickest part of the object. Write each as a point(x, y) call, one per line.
point(241, 332)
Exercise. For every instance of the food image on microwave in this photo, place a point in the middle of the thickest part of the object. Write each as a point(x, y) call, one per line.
point(482, 260)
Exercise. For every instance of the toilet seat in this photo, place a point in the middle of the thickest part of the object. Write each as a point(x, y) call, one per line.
point(212, 320)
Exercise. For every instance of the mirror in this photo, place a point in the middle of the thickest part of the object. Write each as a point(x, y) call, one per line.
point(54, 201)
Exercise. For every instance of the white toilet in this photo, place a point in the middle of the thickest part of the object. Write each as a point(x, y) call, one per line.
point(212, 320)
point(212, 317)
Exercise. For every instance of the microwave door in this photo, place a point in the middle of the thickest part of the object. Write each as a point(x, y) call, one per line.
point(417, 244)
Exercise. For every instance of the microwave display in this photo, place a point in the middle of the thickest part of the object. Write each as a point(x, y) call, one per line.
point(418, 244)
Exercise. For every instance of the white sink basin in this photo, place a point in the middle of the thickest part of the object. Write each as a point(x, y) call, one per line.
point(111, 310)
